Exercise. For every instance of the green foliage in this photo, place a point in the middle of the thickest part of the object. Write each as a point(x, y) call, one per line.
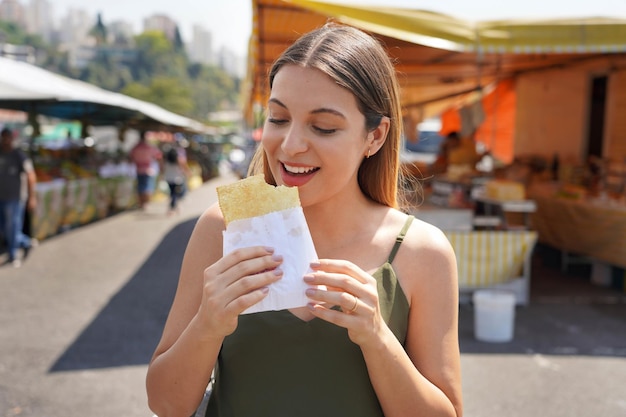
point(161, 72)
point(104, 72)
point(212, 89)
point(166, 92)
point(12, 33)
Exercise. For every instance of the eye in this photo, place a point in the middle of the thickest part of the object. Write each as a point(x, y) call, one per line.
point(276, 121)
point(324, 131)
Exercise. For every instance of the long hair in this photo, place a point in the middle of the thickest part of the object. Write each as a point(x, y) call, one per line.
point(359, 63)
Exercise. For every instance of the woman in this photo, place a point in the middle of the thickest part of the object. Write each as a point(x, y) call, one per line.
point(382, 339)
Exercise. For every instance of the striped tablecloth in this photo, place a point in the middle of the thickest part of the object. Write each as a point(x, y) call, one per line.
point(486, 258)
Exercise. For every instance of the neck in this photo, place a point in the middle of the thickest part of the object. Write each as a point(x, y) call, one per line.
point(335, 225)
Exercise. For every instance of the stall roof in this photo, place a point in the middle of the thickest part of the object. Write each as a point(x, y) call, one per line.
point(30, 89)
point(439, 58)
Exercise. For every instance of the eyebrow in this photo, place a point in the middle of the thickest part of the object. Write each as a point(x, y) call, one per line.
point(316, 111)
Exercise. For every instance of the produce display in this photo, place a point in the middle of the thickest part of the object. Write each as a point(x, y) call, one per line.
point(73, 190)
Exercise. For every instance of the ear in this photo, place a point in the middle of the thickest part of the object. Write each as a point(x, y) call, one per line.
point(377, 137)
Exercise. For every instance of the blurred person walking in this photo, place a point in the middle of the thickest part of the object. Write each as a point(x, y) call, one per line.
point(175, 173)
point(146, 158)
point(17, 192)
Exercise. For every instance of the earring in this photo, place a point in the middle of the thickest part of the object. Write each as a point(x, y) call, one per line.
point(368, 153)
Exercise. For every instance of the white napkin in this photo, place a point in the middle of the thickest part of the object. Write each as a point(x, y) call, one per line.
point(287, 232)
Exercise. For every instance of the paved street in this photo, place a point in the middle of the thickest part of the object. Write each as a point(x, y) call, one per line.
point(80, 319)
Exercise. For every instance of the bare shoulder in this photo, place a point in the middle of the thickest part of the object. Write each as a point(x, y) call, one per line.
point(212, 219)
point(426, 262)
point(205, 244)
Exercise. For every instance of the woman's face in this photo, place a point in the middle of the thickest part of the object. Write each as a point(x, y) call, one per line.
point(314, 135)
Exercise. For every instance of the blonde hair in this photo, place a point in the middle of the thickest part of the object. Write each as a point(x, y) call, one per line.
point(359, 63)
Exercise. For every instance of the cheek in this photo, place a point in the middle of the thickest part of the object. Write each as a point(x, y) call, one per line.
point(269, 143)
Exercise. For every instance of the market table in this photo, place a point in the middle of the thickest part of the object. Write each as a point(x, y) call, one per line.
point(66, 203)
point(589, 227)
point(497, 259)
point(494, 259)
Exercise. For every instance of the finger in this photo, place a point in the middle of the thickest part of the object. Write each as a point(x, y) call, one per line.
point(335, 316)
point(252, 283)
point(251, 289)
point(249, 261)
point(243, 302)
point(336, 282)
point(341, 267)
point(229, 260)
point(347, 301)
point(245, 292)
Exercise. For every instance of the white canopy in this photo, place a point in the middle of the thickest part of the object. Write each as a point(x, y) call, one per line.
point(31, 89)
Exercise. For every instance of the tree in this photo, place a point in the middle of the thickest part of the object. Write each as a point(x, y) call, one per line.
point(104, 72)
point(211, 88)
point(99, 32)
point(157, 57)
point(166, 92)
point(179, 45)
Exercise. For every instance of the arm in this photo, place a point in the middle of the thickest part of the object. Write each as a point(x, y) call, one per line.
point(212, 292)
point(423, 377)
point(31, 180)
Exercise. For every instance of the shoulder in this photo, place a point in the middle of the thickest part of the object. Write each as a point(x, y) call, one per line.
point(206, 239)
point(204, 248)
point(426, 263)
point(19, 156)
point(211, 221)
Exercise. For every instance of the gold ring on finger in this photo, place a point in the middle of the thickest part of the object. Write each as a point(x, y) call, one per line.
point(356, 304)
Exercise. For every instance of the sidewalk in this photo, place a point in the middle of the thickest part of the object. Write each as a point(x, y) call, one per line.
point(82, 316)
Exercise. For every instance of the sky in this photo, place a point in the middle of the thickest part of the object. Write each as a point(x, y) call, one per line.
point(230, 21)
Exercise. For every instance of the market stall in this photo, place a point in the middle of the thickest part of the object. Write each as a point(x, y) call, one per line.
point(65, 203)
point(593, 227)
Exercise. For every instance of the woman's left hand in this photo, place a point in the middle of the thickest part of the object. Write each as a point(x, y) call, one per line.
point(353, 290)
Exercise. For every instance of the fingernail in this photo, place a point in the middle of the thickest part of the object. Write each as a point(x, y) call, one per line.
point(277, 258)
point(315, 264)
point(269, 249)
point(310, 292)
point(278, 272)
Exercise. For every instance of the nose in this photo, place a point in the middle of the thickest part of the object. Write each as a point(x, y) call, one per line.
point(295, 141)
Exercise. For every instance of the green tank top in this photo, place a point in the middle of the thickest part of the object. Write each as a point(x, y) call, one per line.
point(277, 365)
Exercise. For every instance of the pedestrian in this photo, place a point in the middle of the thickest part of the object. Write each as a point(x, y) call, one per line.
point(175, 173)
point(147, 159)
point(379, 336)
point(17, 193)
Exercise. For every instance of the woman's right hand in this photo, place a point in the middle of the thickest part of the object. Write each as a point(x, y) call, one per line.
point(236, 282)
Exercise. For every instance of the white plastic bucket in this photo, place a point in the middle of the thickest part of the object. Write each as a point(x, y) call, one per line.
point(494, 315)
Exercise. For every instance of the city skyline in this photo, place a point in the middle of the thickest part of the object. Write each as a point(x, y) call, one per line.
point(69, 28)
point(186, 13)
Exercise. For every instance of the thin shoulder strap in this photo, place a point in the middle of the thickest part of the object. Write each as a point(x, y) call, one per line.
point(400, 238)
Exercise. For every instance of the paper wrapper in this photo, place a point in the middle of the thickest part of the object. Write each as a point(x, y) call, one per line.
point(287, 232)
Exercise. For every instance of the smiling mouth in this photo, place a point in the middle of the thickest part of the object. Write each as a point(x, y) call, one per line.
point(293, 170)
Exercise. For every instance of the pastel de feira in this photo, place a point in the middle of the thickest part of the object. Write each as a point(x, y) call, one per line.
point(260, 214)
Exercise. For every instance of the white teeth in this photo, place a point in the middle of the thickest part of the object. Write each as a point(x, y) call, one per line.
point(298, 170)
